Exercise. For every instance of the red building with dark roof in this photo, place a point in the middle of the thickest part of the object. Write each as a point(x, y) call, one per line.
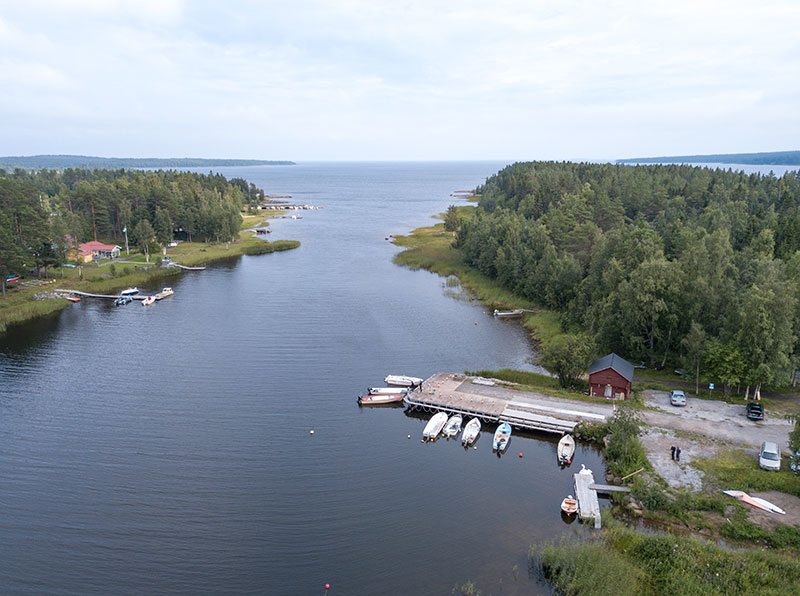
point(611, 376)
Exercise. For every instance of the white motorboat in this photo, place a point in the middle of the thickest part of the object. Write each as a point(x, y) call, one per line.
point(164, 293)
point(402, 381)
point(380, 398)
point(566, 449)
point(434, 426)
point(471, 431)
point(148, 301)
point(379, 390)
point(453, 426)
point(129, 292)
point(502, 437)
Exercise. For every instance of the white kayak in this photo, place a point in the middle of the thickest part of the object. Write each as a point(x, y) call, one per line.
point(453, 426)
point(566, 449)
point(471, 431)
point(434, 426)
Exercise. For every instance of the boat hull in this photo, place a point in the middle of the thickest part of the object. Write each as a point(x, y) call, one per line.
point(380, 398)
point(566, 449)
point(502, 437)
point(471, 431)
point(402, 381)
point(434, 426)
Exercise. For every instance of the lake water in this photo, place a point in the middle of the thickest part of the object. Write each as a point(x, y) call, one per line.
point(167, 449)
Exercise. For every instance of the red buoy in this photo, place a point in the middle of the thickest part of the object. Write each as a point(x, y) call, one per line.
point(327, 586)
point(520, 454)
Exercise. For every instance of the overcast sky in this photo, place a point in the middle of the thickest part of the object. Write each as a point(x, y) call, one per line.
point(368, 79)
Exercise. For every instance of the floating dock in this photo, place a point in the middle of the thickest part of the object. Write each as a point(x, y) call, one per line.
point(458, 394)
point(88, 295)
point(588, 505)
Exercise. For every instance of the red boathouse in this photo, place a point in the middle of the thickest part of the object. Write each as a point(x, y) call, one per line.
point(611, 377)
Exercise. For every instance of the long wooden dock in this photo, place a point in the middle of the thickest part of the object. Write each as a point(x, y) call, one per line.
point(588, 505)
point(88, 295)
point(457, 394)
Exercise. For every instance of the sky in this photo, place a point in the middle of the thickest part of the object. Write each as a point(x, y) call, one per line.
point(309, 80)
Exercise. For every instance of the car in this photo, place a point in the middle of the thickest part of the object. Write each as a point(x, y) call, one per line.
point(769, 457)
point(755, 411)
point(677, 397)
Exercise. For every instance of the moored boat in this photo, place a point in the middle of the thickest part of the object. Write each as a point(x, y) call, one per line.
point(380, 398)
point(453, 426)
point(508, 314)
point(122, 300)
point(434, 426)
point(402, 381)
point(164, 293)
point(502, 437)
point(471, 431)
point(148, 301)
point(566, 449)
point(379, 390)
point(129, 292)
point(73, 298)
point(569, 505)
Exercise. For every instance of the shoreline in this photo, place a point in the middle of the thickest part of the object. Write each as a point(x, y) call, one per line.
point(23, 306)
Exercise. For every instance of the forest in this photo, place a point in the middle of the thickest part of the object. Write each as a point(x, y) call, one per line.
point(663, 264)
point(40, 211)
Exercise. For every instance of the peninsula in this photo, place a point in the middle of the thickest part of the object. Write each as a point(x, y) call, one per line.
point(58, 162)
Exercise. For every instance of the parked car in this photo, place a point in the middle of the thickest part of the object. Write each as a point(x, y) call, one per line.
point(755, 411)
point(677, 397)
point(769, 457)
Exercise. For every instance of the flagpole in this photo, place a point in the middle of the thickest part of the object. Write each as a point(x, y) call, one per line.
point(125, 229)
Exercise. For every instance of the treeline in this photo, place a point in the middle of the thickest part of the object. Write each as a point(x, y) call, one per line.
point(776, 158)
point(90, 161)
point(659, 263)
point(39, 210)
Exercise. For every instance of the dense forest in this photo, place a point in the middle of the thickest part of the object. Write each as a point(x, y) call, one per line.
point(88, 161)
point(40, 210)
point(661, 264)
point(771, 158)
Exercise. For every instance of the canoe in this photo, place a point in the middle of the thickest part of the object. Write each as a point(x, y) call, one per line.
point(569, 505)
point(402, 381)
point(129, 292)
point(379, 390)
point(148, 301)
point(508, 314)
point(471, 431)
point(502, 437)
point(566, 449)
point(380, 398)
point(434, 426)
point(453, 426)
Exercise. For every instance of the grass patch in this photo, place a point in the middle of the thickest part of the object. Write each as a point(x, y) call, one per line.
point(624, 451)
point(630, 563)
point(531, 381)
point(739, 469)
point(19, 306)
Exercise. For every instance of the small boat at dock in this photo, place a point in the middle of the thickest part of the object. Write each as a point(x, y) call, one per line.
point(379, 390)
point(148, 301)
point(566, 449)
point(502, 437)
point(123, 300)
point(471, 431)
point(508, 314)
point(166, 292)
point(402, 381)
point(129, 292)
point(453, 426)
point(569, 505)
point(73, 298)
point(375, 399)
point(434, 426)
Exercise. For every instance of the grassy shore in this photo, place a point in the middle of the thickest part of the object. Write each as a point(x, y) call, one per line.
point(431, 248)
point(20, 304)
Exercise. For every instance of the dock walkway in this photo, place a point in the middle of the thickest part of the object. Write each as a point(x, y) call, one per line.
point(588, 505)
point(457, 394)
point(88, 295)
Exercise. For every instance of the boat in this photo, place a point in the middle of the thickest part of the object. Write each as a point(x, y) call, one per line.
point(380, 398)
point(164, 293)
point(471, 431)
point(73, 298)
point(569, 505)
point(122, 300)
point(508, 314)
point(129, 292)
point(453, 426)
point(402, 381)
point(379, 390)
point(757, 502)
point(566, 449)
point(434, 426)
point(148, 301)
point(502, 437)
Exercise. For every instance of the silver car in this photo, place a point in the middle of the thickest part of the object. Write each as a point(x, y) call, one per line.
point(677, 397)
point(769, 458)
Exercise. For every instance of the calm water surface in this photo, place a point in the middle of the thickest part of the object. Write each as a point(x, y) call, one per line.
point(167, 449)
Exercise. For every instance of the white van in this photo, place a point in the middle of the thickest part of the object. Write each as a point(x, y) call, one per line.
point(769, 457)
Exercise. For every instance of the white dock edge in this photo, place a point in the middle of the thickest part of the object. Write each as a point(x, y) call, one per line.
point(530, 406)
point(588, 505)
point(514, 415)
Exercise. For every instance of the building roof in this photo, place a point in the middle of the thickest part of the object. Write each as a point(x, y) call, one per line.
point(618, 364)
point(95, 245)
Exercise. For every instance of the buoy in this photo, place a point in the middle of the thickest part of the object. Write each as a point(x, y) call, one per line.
point(327, 586)
point(409, 436)
point(520, 454)
point(476, 322)
point(311, 432)
point(422, 440)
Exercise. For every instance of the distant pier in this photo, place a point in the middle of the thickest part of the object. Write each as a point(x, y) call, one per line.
point(458, 394)
point(88, 295)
